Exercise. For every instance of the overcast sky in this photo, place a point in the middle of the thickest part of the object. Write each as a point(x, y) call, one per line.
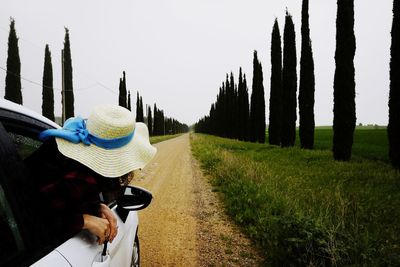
point(177, 52)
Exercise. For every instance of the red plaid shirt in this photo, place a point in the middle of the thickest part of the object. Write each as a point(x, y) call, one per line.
point(71, 197)
point(66, 189)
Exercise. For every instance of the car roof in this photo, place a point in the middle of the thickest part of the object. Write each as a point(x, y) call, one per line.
point(11, 106)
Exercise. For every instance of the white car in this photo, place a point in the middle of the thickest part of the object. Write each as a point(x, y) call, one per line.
point(20, 237)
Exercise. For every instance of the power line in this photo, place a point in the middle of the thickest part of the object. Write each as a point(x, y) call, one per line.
point(55, 88)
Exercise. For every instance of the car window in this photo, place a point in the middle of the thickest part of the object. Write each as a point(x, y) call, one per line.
point(25, 145)
point(11, 242)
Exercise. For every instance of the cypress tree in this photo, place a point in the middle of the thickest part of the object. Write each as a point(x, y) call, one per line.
point(141, 110)
point(275, 100)
point(233, 109)
point(47, 91)
point(156, 121)
point(122, 101)
point(257, 106)
point(225, 110)
point(228, 107)
point(137, 107)
point(149, 121)
point(129, 100)
point(69, 90)
point(13, 76)
point(241, 114)
point(307, 84)
point(243, 108)
point(124, 91)
point(120, 89)
point(394, 94)
point(246, 109)
point(221, 110)
point(344, 110)
point(289, 84)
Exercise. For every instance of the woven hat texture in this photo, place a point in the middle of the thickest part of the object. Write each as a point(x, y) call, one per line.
point(108, 122)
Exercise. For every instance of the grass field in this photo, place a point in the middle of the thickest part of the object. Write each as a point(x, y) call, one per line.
point(369, 143)
point(303, 208)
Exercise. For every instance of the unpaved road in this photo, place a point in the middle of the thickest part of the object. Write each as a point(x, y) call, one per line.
point(185, 224)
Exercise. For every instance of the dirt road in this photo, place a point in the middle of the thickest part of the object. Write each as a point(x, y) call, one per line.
point(185, 225)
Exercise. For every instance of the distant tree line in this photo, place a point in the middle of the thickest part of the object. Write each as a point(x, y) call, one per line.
point(156, 122)
point(230, 116)
point(161, 125)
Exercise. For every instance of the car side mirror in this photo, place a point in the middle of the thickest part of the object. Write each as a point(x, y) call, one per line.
point(134, 198)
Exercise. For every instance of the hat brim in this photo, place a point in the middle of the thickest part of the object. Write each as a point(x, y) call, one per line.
point(112, 162)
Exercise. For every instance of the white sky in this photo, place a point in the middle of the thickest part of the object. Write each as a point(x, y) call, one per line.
point(177, 52)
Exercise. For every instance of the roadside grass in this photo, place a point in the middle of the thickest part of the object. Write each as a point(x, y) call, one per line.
point(160, 138)
point(301, 207)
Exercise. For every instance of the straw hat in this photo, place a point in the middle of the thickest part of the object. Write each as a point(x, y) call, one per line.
point(111, 122)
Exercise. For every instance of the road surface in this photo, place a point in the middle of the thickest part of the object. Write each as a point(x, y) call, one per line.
point(185, 224)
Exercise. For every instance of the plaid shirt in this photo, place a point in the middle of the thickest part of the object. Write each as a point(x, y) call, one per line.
point(71, 197)
point(66, 190)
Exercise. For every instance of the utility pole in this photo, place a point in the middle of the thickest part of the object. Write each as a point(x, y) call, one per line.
point(62, 88)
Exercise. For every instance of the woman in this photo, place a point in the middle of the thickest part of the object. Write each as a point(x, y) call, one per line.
point(109, 144)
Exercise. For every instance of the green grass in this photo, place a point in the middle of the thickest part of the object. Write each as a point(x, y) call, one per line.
point(303, 208)
point(368, 142)
point(160, 138)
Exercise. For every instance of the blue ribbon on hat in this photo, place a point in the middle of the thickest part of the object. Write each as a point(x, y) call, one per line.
point(74, 131)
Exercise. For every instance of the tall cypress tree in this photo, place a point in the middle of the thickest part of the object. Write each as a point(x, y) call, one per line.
point(124, 91)
point(129, 100)
point(137, 106)
point(68, 84)
point(394, 94)
point(232, 108)
point(307, 84)
point(257, 106)
point(120, 89)
point(13, 78)
point(47, 91)
point(275, 99)
point(141, 110)
point(156, 126)
point(162, 122)
point(225, 107)
point(246, 109)
point(289, 84)
point(243, 115)
point(122, 101)
point(149, 121)
point(344, 108)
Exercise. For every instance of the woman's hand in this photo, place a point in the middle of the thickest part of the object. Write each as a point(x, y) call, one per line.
point(100, 227)
point(107, 214)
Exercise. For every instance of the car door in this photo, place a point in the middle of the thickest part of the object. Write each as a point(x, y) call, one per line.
point(81, 250)
point(19, 245)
